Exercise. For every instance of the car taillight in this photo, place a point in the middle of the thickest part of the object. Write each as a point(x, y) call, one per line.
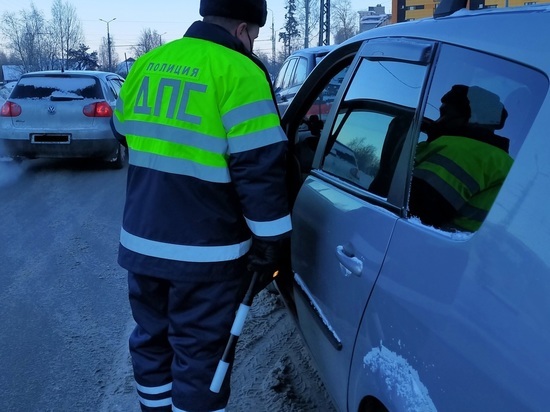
point(98, 109)
point(10, 109)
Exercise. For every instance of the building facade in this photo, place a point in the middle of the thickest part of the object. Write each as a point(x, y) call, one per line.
point(404, 10)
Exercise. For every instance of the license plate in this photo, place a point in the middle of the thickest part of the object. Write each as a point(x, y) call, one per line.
point(50, 138)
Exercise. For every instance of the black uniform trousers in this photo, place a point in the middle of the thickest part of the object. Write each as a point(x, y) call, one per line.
point(181, 333)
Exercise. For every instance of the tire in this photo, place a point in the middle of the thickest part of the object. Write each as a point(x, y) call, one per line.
point(120, 158)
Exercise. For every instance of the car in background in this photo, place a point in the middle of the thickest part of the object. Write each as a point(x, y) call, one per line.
point(398, 315)
point(294, 71)
point(5, 90)
point(62, 114)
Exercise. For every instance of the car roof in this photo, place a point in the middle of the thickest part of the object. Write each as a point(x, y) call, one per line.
point(314, 50)
point(498, 31)
point(95, 73)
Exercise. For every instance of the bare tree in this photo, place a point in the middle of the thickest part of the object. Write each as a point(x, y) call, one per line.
point(103, 55)
point(65, 29)
point(307, 16)
point(344, 21)
point(148, 40)
point(29, 39)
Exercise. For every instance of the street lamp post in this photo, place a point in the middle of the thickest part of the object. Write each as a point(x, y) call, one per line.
point(109, 40)
point(272, 37)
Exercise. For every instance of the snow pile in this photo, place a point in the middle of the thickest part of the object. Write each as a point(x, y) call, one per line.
point(273, 370)
point(402, 381)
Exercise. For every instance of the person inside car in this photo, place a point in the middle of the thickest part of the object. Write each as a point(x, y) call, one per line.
point(461, 166)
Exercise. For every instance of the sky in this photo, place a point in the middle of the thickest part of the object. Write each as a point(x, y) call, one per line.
point(170, 18)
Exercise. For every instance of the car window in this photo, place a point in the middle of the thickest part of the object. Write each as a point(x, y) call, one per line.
point(115, 85)
point(372, 122)
point(309, 132)
point(479, 110)
point(520, 89)
point(286, 80)
point(42, 87)
point(280, 76)
point(324, 101)
point(300, 73)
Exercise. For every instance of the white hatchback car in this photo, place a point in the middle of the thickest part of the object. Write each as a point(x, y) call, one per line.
point(59, 114)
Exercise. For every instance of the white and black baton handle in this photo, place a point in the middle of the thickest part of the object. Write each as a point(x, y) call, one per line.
point(236, 330)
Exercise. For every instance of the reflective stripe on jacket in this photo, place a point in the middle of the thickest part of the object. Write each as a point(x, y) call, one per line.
point(206, 153)
point(468, 173)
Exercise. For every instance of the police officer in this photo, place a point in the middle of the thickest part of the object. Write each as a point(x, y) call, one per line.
point(462, 165)
point(205, 198)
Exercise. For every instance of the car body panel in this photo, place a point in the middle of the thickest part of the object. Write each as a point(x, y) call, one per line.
point(452, 321)
point(356, 249)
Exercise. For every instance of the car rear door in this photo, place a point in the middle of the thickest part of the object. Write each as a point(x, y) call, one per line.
point(347, 207)
point(458, 321)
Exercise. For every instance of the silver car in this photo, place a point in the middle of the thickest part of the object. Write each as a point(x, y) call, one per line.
point(401, 314)
point(294, 71)
point(58, 114)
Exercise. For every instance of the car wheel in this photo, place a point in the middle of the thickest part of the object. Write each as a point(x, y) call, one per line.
point(371, 404)
point(119, 159)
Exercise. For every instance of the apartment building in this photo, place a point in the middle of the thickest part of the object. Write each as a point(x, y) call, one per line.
point(403, 10)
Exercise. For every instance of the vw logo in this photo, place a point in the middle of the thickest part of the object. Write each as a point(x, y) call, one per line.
point(51, 109)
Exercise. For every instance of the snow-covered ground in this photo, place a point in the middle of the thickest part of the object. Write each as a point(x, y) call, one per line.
point(272, 372)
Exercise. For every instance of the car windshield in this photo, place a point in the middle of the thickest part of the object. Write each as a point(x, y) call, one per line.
point(57, 87)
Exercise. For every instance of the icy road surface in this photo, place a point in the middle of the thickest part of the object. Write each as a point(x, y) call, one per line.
point(65, 317)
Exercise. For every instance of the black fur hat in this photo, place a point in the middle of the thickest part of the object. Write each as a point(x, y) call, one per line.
point(458, 98)
point(250, 11)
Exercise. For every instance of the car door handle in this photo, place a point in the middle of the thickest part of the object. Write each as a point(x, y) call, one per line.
point(349, 264)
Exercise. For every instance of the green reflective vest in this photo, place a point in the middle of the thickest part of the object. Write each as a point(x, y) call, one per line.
point(468, 173)
point(170, 101)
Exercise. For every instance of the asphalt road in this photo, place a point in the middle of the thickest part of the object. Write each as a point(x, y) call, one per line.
point(64, 312)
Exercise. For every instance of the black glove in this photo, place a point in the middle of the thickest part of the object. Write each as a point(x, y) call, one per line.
point(265, 256)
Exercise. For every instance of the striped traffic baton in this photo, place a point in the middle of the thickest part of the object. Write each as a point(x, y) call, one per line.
point(236, 330)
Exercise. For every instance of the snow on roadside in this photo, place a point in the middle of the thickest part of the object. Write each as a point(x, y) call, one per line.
point(273, 370)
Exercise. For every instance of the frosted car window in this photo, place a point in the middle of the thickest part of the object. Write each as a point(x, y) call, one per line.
point(372, 123)
point(41, 87)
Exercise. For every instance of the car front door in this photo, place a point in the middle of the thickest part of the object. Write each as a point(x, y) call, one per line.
point(347, 207)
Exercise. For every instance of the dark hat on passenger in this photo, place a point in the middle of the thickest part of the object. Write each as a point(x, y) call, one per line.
point(250, 11)
point(458, 98)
